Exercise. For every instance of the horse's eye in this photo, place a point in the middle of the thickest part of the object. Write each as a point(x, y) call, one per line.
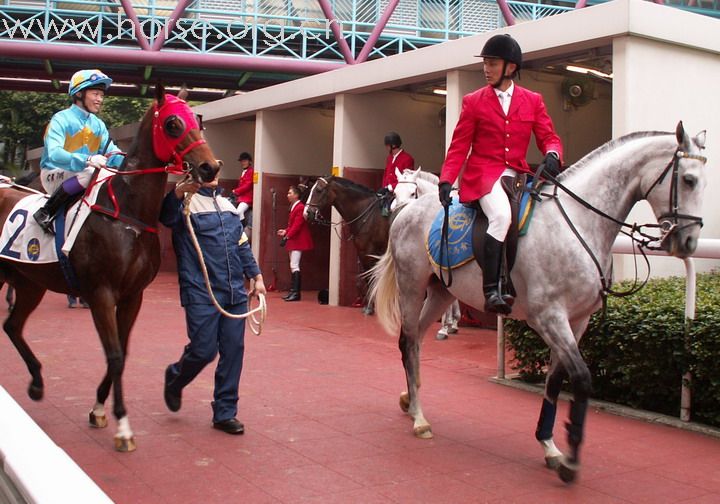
point(690, 181)
point(174, 126)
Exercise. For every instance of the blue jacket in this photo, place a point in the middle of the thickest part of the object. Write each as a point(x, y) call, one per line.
point(72, 136)
point(225, 248)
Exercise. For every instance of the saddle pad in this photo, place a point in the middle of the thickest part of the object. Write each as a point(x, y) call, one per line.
point(460, 232)
point(459, 249)
point(22, 239)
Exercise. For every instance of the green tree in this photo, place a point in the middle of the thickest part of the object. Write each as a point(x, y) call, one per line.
point(24, 116)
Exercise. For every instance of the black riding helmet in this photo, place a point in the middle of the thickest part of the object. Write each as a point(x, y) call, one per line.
point(244, 156)
point(393, 139)
point(505, 48)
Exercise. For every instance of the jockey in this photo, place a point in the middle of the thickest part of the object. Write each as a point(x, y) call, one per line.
point(493, 135)
point(76, 141)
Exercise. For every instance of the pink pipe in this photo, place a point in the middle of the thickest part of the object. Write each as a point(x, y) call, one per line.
point(164, 58)
point(168, 28)
point(375, 34)
point(130, 12)
point(507, 15)
point(581, 4)
point(337, 31)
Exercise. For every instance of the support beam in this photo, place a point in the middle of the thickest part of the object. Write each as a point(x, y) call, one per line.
point(375, 34)
point(48, 66)
point(139, 33)
point(507, 14)
point(164, 58)
point(336, 28)
point(148, 72)
point(170, 24)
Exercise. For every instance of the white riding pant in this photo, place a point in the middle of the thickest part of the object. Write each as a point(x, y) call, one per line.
point(242, 207)
point(52, 179)
point(295, 256)
point(496, 207)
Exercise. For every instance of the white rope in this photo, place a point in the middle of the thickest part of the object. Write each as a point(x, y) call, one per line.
point(254, 322)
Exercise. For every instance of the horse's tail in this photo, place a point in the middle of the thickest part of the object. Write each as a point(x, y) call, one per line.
point(383, 291)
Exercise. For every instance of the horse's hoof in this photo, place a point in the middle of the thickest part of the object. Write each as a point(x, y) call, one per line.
point(553, 462)
point(125, 445)
point(405, 402)
point(452, 330)
point(567, 471)
point(35, 392)
point(441, 335)
point(423, 432)
point(98, 421)
point(368, 311)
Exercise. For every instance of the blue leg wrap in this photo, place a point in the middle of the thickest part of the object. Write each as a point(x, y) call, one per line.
point(546, 421)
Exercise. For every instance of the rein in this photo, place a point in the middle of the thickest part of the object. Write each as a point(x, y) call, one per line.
point(254, 323)
point(672, 216)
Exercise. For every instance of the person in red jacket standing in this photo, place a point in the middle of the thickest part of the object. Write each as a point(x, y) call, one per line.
point(296, 238)
point(244, 191)
point(492, 137)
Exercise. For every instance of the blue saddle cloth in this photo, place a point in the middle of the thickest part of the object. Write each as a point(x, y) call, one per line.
point(460, 223)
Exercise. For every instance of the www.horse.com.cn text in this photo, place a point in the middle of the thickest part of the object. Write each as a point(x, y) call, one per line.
point(271, 32)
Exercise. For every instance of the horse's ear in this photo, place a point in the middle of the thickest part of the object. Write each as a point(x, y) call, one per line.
point(700, 139)
point(160, 93)
point(183, 93)
point(680, 133)
point(398, 174)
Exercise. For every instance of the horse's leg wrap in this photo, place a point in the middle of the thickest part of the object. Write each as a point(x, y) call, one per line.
point(546, 421)
point(576, 426)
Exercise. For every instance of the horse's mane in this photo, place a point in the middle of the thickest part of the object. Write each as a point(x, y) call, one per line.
point(428, 177)
point(354, 186)
point(607, 147)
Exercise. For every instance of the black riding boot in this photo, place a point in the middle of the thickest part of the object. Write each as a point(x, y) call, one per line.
point(491, 264)
point(294, 294)
point(45, 215)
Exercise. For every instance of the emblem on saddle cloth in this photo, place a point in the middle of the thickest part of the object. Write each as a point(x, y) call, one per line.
point(23, 240)
point(460, 228)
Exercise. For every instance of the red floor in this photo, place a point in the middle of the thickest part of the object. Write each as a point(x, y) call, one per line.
point(319, 400)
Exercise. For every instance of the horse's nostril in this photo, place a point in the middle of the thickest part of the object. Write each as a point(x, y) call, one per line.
point(206, 172)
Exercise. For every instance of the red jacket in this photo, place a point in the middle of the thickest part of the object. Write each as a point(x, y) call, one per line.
point(244, 189)
point(402, 162)
point(298, 230)
point(495, 142)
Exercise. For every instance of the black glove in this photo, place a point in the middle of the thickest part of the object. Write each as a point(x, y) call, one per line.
point(552, 164)
point(444, 189)
point(283, 241)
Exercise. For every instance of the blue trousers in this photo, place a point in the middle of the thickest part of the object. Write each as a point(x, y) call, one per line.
point(211, 333)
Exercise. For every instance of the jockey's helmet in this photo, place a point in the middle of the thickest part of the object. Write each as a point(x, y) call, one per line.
point(393, 139)
point(86, 79)
point(245, 156)
point(504, 47)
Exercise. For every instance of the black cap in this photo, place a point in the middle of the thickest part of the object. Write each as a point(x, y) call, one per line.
point(504, 47)
point(245, 156)
point(393, 139)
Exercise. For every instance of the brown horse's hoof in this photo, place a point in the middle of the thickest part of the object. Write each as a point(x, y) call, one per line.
point(568, 471)
point(405, 401)
point(423, 432)
point(97, 421)
point(125, 445)
point(553, 462)
point(35, 392)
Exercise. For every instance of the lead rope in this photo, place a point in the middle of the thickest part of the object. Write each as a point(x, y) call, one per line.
point(254, 322)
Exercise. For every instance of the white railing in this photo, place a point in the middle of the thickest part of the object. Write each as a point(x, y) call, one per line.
point(39, 470)
point(708, 248)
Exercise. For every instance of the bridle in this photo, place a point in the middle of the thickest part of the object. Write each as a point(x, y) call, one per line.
point(669, 221)
point(166, 149)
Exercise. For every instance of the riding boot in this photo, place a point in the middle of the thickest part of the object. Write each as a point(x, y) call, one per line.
point(295, 290)
point(491, 264)
point(45, 215)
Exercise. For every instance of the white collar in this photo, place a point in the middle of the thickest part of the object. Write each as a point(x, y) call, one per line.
point(294, 205)
point(508, 91)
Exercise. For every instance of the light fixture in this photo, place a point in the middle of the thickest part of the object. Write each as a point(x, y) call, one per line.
point(591, 71)
point(440, 91)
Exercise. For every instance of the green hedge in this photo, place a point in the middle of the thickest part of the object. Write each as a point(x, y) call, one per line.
point(637, 355)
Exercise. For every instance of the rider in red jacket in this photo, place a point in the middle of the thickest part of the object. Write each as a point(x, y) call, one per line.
point(492, 137)
point(397, 158)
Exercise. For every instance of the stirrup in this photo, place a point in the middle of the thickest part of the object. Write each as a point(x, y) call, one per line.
point(494, 303)
point(45, 221)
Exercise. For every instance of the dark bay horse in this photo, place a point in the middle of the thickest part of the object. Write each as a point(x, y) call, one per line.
point(360, 208)
point(117, 252)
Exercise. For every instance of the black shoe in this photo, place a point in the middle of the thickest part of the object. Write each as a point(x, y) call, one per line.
point(232, 426)
point(293, 296)
point(494, 303)
point(173, 400)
